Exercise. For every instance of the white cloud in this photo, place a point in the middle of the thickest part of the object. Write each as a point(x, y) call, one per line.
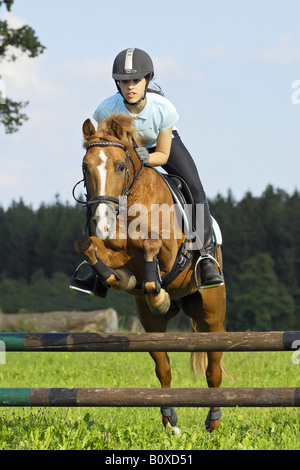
point(13, 20)
point(12, 173)
point(26, 78)
point(88, 70)
point(168, 67)
point(219, 51)
point(26, 74)
point(283, 52)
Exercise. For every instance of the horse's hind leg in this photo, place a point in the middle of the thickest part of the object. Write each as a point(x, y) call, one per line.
point(153, 323)
point(207, 312)
point(214, 379)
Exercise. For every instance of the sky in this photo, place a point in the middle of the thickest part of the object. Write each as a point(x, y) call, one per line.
point(231, 68)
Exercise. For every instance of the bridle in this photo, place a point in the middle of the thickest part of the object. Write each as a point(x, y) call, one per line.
point(114, 203)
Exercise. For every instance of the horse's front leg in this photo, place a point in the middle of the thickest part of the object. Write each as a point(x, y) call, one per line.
point(89, 248)
point(157, 298)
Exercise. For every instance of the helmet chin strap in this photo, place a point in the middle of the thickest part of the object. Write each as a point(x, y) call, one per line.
point(133, 104)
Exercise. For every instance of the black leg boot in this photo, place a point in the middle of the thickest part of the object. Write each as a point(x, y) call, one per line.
point(208, 267)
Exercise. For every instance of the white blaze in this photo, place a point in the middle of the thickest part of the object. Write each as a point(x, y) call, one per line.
point(103, 215)
point(102, 172)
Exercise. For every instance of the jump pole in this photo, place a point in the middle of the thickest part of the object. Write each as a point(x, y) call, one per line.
point(147, 342)
point(150, 397)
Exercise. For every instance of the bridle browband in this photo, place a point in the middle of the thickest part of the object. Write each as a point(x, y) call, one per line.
point(111, 201)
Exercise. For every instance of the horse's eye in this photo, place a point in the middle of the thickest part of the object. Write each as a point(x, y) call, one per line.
point(121, 167)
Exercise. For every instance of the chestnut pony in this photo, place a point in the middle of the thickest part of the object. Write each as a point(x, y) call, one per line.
point(130, 252)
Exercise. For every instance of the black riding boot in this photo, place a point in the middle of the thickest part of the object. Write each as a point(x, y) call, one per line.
point(209, 274)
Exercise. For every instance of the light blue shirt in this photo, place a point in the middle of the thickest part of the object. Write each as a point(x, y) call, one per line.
point(159, 114)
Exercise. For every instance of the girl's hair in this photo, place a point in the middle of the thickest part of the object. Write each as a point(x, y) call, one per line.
point(157, 89)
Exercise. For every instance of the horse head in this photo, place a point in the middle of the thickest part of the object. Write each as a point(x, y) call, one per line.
point(111, 169)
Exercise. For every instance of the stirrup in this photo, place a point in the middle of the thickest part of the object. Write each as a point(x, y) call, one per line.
point(79, 289)
point(202, 257)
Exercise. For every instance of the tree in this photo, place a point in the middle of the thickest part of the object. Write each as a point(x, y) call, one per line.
point(18, 242)
point(261, 302)
point(24, 40)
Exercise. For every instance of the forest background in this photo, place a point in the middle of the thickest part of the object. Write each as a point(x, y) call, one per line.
point(261, 253)
point(261, 235)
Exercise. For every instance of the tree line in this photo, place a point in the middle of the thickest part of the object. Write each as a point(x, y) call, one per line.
point(261, 253)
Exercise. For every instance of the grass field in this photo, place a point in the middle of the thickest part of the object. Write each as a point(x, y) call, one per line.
point(141, 428)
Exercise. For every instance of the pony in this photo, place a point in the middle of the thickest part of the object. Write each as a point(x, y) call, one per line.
point(130, 247)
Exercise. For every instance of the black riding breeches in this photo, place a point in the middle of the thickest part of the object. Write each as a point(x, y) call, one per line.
point(182, 164)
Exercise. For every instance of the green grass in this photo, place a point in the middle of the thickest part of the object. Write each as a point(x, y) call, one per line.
point(141, 428)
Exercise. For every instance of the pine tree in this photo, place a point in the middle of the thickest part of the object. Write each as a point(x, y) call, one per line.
point(262, 303)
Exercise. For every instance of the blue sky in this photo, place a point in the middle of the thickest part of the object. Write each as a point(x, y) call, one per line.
point(228, 66)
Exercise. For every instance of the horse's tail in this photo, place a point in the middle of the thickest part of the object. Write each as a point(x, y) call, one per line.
point(199, 364)
point(199, 360)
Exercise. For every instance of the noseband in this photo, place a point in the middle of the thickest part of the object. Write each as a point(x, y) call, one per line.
point(111, 201)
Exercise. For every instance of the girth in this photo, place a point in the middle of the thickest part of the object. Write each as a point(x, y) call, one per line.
point(183, 259)
point(181, 195)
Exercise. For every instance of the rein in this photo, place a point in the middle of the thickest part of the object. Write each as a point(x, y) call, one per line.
point(112, 201)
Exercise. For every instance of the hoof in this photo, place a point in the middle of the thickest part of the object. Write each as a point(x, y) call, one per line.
point(175, 429)
point(159, 304)
point(152, 287)
point(213, 420)
point(127, 280)
point(82, 244)
point(170, 419)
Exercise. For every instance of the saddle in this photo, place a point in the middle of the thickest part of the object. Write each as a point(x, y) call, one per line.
point(183, 199)
point(186, 211)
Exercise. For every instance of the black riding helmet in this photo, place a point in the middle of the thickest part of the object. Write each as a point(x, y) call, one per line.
point(132, 64)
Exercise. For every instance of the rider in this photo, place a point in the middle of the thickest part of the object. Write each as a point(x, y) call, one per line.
point(154, 118)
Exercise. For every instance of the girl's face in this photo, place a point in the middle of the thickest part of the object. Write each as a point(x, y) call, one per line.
point(133, 90)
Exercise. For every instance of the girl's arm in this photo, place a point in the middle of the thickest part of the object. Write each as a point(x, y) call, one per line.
point(163, 148)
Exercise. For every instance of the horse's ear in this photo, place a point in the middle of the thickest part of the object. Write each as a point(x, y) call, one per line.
point(88, 129)
point(117, 129)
